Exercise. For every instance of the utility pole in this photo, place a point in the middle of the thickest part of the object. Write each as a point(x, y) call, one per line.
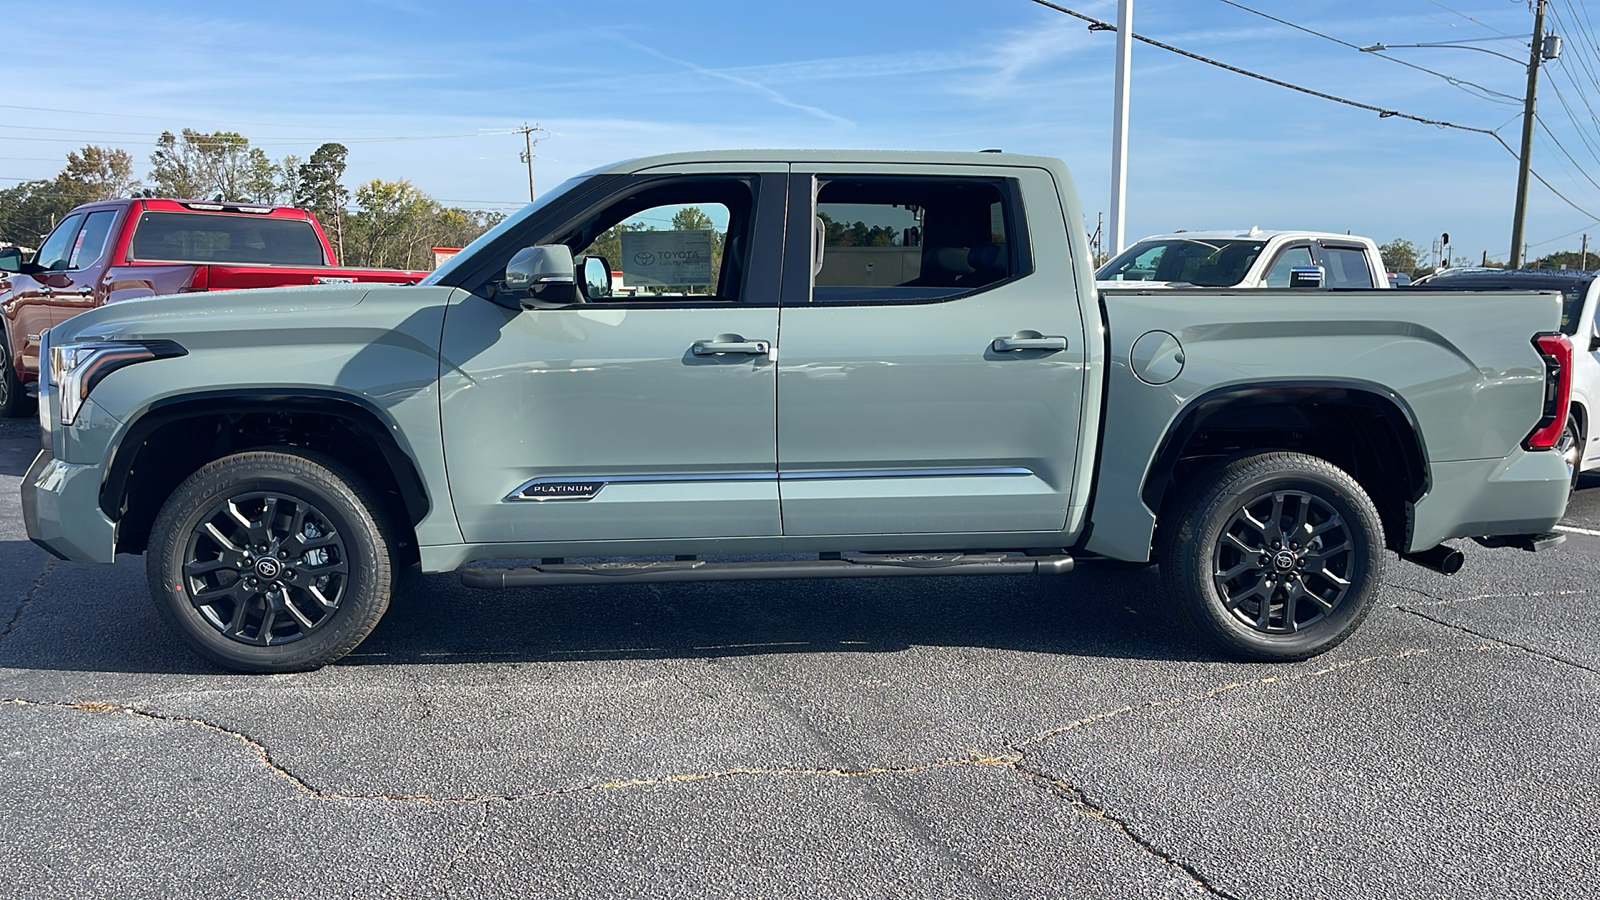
point(527, 152)
point(1535, 52)
point(1119, 126)
point(1583, 262)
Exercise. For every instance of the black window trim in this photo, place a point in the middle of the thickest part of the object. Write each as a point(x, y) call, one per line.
point(797, 287)
point(1297, 244)
point(766, 238)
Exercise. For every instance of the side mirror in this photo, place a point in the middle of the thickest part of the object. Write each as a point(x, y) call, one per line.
point(10, 259)
point(1305, 277)
point(545, 272)
point(596, 278)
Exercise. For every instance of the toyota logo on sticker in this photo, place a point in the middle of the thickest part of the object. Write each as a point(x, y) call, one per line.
point(645, 259)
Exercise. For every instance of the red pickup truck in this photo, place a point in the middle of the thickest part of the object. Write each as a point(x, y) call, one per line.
point(122, 249)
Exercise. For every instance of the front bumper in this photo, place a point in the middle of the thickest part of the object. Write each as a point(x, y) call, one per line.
point(61, 510)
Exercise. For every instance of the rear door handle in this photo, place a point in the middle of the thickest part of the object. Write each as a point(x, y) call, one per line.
point(1013, 344)
point(731, 343)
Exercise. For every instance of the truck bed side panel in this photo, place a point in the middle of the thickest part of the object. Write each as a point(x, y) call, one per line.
point(1463, 364)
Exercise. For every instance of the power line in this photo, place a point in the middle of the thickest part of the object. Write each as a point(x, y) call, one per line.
point(1453, 81)
point(1469, 18)
point(1553, 139)
point(1098, 25)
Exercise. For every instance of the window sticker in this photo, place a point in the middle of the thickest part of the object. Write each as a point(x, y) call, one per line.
point(666, 258)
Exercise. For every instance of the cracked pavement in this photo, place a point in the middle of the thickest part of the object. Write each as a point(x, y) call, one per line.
point(994, 737)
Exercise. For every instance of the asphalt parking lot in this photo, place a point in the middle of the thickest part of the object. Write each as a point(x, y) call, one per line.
point(998, 737)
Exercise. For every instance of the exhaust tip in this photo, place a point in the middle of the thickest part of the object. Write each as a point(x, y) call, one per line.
point(1444, 559)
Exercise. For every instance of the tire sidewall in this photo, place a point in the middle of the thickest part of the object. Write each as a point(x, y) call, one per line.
point(365, 596)
point(1204, 602)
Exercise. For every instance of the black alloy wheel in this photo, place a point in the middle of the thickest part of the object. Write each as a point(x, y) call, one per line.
point(265, 568)
point(1283, 562)
point(1273, 557)
point(271, 560)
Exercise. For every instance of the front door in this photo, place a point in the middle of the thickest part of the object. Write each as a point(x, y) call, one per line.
point(933, 363)
point(648, 415)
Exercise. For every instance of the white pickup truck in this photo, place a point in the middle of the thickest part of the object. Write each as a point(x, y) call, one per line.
point(1245, 259)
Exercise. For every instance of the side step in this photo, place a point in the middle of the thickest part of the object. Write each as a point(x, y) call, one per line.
point(863, 566)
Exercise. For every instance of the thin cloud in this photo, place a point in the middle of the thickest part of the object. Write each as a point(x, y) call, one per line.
point(755, 86)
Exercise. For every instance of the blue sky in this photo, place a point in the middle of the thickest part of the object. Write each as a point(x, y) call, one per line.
point(621, 78)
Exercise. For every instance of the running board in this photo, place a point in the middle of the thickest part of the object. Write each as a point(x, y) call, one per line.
point(864, 566)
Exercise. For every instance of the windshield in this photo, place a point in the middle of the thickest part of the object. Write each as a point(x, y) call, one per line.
point(508, 223)
point(1207, 263)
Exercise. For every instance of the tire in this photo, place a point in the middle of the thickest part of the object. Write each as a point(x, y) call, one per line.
point(1570, 446)
point(1277, 603)
point(317, 591)
point(13, 402)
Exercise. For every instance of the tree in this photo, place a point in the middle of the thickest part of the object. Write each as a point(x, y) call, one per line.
point(261, 179)
point(29, 210)
point(1399, 255)
point(1566, 259)
point(98, 173)
point(288, 179)
point(321, 190)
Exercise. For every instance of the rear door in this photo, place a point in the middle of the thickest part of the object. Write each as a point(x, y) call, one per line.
point(933, 352)
point(1346, 266)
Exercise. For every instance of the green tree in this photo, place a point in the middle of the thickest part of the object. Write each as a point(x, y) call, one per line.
point(1399, 255)
point(97, 173)
point(196, 164)
point(1569, 259)
point(29, 210)
point(261, 179)
point(321, 190)
point(392, 223)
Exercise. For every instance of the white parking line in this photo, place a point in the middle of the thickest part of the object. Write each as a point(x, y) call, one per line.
point(1575, 530)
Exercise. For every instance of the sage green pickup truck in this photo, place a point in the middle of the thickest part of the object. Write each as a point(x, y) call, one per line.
point(826, 364)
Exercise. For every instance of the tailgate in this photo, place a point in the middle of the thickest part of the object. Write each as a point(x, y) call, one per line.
point(228, 278)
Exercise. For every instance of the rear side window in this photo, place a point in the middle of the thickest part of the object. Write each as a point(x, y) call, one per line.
point(225, 238)
point(912, 239)
point(1347, 268)
point(91, 242)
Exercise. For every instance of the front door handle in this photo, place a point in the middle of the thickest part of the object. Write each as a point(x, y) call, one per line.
point(1013, 344)
point(731, 343)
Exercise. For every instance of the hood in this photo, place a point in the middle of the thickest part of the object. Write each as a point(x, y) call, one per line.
point(168, 314)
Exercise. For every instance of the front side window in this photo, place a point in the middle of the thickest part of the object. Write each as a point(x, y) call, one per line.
point(91, 242)
point(57, 250)
point(683, 241)
point(226, 238)
point(1347, 268)
point(1204, 262)
point(911, 239)
point(1287, 260)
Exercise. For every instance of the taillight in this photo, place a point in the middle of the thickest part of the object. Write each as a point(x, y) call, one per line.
point(1556, 349)
point(199, 280)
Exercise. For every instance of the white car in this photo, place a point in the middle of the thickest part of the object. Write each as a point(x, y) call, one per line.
point(1580, 292)
point(1245, 259)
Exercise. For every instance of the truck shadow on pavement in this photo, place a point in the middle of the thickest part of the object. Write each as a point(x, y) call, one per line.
point(100, 619)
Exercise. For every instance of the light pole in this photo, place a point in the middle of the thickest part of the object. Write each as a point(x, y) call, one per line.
point(1119, 126)
point(1543, 47)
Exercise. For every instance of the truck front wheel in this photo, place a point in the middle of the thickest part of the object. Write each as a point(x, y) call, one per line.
point(1274, 557)
point(271, 561)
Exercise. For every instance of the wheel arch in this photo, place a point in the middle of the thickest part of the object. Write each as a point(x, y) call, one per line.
point(173, 437)
point(1358, 425)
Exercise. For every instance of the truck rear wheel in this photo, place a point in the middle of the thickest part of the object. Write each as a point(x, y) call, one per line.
point(271, 561)
point(1274, 557)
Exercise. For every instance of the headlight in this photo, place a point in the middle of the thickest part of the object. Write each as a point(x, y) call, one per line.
point(76, 368)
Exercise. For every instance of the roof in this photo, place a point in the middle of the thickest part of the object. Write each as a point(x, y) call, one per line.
point(1258, 234)
point(922, 157)
point(1520, 279)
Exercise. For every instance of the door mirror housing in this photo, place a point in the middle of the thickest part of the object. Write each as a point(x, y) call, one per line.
point(1306, 277)
point(10, 259)
point(545, 272)
point(596, 284)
